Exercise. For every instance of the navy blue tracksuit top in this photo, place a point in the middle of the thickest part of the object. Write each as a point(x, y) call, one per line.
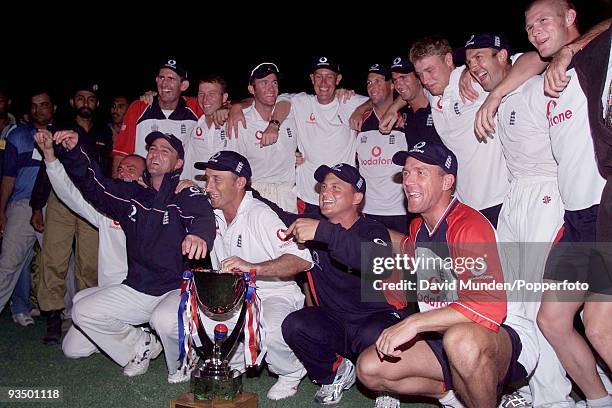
point(155, 222)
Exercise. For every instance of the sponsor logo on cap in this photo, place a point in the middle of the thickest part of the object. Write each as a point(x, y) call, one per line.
point(418, 147)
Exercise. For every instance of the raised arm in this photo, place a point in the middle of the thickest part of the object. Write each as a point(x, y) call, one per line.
point(526, 66)
point(555, 78)
point(109, 196)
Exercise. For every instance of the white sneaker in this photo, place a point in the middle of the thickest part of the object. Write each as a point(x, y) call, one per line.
point(386, 401)
point(148, 350)
point(283, 388)
point(35, 312)
point(515, 400)
point(23, 319)
point(345, 378)
point(181, 375)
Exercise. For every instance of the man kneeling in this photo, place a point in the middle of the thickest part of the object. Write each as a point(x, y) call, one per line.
point(466, 339)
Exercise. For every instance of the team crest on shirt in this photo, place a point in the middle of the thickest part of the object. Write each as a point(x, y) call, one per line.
point(154, 127)
point(239, 241)
point(456, 109)
point(183, 129)
point(512, 118)
point(289, 134)
point(364, 138)
point(166, 219)
point(429, 120)
point(391, 138)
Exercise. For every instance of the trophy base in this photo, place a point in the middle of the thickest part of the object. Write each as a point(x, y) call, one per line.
point(242, 400)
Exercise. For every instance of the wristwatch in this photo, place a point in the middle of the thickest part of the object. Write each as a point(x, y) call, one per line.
point(275, 123)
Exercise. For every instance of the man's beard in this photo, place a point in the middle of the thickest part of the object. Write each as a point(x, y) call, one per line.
point(85, 112)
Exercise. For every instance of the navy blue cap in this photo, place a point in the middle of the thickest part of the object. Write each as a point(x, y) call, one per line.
point(402, 65)
point(431, 153)
point(381, 70)
point(345, 172)
point(87, 85)
point(172, 64)
point(173, 140)
point(263, 70)
point(226, 160)
point(484, 40)
point(325, 62)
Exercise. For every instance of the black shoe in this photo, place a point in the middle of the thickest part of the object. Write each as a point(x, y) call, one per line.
point(54, 327)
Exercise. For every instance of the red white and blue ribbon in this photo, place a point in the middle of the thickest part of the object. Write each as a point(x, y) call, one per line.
point(254, 330)
point(188, 323)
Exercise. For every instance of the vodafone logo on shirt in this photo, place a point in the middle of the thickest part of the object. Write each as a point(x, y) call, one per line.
point(555, 118)
point(312, 118)
point(281, 234)
point(199, 132)
point(115, 225)
point(376, 160)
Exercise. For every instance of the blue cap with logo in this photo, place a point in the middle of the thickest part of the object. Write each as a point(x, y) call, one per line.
point(431, 153)
point(325, 62)
point(171, 63)
point(263, 70)
point(345, 172)
point(381, 70)
point(226, 160)
point(484, 40)
point(174, 141)
point(402, 65)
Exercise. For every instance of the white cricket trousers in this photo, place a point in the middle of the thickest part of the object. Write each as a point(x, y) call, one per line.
point(530, 218)
point(108, 316)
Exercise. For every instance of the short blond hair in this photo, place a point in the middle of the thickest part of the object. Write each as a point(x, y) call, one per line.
point(427, 46)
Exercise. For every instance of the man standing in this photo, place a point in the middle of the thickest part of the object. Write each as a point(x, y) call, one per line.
point(273, 166)
point(251, 237)
point(118, 109)
point(384, 200)
point(550, 25)
point(207, 138)
point(532, 211)
point(418, 121)
point(169, 113)
point(21, 165)
point(325, 136)
point(62, 226)
point(454, 120)
point(160, 227)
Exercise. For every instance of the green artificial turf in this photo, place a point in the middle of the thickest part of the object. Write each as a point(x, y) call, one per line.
point(98, 382)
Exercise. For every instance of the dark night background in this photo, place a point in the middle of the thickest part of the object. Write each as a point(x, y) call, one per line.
point(121, 50)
